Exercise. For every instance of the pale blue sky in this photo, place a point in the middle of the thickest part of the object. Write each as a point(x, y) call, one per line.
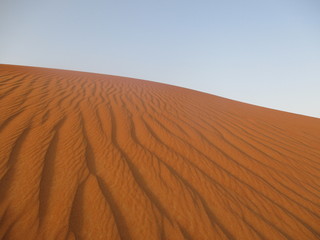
point(261, 52)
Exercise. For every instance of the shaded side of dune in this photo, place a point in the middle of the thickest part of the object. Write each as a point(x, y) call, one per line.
point(91, 156)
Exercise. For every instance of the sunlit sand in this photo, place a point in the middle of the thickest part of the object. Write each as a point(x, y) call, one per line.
point(92, 156)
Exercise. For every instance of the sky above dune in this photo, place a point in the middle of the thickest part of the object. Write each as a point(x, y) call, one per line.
point(261, 52)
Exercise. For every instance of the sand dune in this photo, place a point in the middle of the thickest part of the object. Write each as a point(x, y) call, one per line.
point(91, 156)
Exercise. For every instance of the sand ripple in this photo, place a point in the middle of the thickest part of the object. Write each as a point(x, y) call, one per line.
point(90, 156)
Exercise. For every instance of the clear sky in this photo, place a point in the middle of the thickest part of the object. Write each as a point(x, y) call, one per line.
point(261, 52)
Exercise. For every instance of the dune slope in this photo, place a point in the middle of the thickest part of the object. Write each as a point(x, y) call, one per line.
point(91, 156)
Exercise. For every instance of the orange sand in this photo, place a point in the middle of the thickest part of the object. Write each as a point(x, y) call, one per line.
point(91, 156)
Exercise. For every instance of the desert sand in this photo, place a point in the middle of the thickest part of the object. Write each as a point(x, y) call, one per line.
point(92, 156)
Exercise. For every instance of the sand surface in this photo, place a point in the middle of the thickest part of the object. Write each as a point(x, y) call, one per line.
point(91, 156)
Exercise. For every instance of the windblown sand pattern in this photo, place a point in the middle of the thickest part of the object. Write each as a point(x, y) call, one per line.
point(91, 156)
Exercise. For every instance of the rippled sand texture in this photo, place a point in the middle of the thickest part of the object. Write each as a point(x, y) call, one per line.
point(90, 156)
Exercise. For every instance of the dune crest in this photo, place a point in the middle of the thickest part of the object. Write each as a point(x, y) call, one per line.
point(92, 156)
